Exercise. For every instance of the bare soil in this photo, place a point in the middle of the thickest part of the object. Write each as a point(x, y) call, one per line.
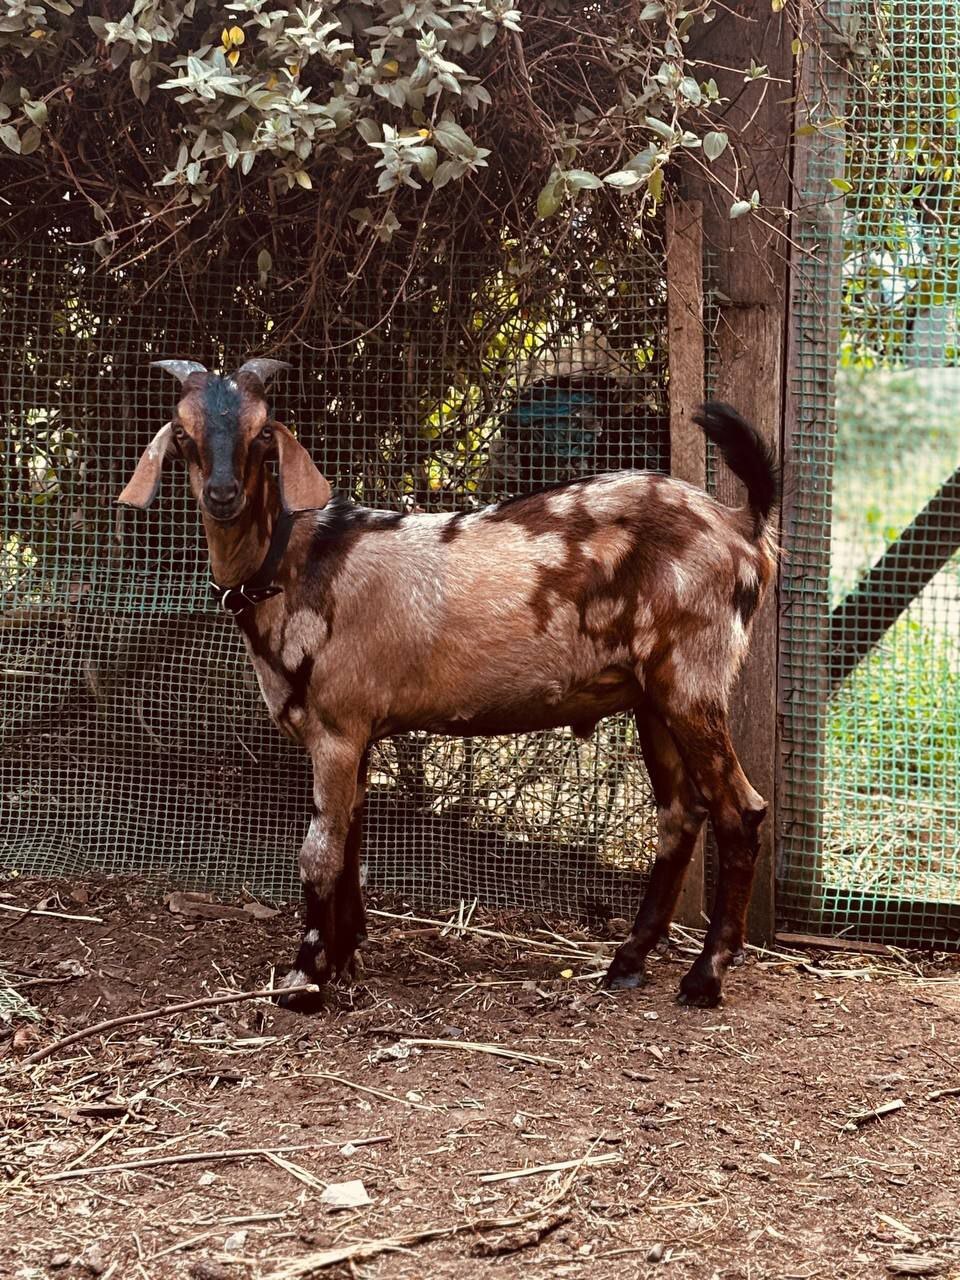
point(739, 1143)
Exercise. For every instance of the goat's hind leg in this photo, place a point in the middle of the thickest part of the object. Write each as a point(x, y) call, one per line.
point(736, 811)
point(329, 871)
point(680, 815)
point(350, 919)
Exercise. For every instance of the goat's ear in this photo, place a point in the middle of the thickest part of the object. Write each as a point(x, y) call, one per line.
point(143, 484)
point(302, 487)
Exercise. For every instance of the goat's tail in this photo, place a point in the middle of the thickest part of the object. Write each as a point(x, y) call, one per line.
point(747, 455)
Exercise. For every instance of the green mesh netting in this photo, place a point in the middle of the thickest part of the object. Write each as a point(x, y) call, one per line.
point(870, 679)
point(133, 735)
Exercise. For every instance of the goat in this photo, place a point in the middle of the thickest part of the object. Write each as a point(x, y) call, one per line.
point(630, 591)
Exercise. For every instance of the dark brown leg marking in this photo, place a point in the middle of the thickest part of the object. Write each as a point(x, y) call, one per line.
point(330, 870)
point(680, 815)
point(350, 920)
point(736, 811)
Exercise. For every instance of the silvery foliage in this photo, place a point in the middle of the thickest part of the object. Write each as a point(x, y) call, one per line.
point(247, 102)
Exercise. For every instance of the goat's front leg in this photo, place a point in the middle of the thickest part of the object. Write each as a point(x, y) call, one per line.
point(680, 815)
point(330, 868)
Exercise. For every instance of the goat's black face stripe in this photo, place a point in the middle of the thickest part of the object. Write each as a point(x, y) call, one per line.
point(221, 427)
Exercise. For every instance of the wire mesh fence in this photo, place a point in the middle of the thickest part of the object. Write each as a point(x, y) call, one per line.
point(870, 674)
point(133, 734)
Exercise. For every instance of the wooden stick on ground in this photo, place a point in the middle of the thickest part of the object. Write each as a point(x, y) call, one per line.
point(377, 1093)
point(556, 1167)
point(153, 1162)
point(473, 1046)
point(57, 915)
point(208, 1002)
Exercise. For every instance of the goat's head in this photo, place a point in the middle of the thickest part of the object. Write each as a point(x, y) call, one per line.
point(223, 430)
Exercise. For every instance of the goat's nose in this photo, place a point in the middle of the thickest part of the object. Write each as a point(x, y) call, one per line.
point(223, 493)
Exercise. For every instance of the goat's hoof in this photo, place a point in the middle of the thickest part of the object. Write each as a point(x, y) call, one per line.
point(300, 1001)
point(700, 990)
point(626, 971)
point(624, 981)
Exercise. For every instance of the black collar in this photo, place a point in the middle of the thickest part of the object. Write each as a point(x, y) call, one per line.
point(245, 595)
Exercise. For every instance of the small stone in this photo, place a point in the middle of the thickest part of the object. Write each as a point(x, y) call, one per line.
point(235, 1242)
point(60, 1260)
point(345, 1195)
point(206, 1179)
point(92, 1259)
point(656, 1253)
point(729, 1165)
point(348, 1149)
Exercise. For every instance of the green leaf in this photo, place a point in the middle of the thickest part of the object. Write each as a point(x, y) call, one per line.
point(714, 144)
point(426, 161)
point(628, 179)
point(841, 184)
point(661, 128)
point(651, 11)
point(303, 180)
point(10, 138)
point(655, 184)
point(369, 130)
point(581, 180)
point(739, 208)
point(36, 111)
point(549, 199)
point(31, 139)
point(264, 263)
point(453, 139)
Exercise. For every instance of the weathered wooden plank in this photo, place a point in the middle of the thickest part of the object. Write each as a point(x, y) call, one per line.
point(750, 376)
point(688, 455)
point(685, 339)
point(748, 273)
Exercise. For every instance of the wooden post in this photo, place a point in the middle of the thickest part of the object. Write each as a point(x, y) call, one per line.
point(688, 454)
point(748, 277)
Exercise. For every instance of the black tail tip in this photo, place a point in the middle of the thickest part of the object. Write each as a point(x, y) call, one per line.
point(751, 458)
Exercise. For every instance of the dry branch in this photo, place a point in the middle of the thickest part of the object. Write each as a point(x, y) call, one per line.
point(558, 1166)
point(208, 1002)
point(876, 1113)
point(57, 915)
point(472, 1046)
point(154, 1162)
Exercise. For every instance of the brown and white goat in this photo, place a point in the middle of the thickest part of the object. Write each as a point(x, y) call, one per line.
point(627, 592)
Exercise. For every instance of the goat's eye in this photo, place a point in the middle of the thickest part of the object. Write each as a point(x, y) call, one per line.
point(266, 434)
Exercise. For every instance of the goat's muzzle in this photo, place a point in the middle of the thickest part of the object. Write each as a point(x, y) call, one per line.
point(223, 502)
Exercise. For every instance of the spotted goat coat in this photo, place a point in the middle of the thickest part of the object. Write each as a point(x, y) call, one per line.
point(627, 592)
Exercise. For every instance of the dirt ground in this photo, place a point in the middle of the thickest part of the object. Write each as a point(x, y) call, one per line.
point(739, 1143)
